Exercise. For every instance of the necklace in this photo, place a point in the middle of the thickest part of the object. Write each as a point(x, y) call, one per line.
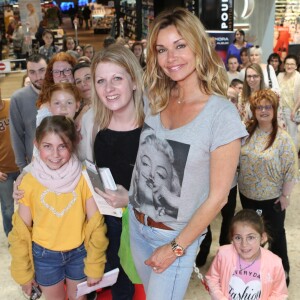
point(244, 268)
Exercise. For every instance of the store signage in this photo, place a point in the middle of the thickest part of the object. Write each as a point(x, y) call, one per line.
point(217, 15)
point(242, 12)
point(225, 15)
point(5, 67)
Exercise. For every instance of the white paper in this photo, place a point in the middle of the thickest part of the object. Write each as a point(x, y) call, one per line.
point(108, 279)
point(107, 179)
point(102, 205)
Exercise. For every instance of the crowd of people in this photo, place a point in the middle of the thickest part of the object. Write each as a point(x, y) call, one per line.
point(165, 118)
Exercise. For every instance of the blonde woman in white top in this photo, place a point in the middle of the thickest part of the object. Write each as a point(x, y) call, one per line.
point(270, 79)
point(289, 82)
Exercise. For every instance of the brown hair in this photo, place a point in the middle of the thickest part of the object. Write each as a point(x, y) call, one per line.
point(142, 57)
point(48, 80)
point(209, 67)
point(251, 218)
point(62, 126)
point(255, 100)
point(246, 92)
point(63, 87)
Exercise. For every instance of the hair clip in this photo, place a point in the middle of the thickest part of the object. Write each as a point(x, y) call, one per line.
point(259, 212)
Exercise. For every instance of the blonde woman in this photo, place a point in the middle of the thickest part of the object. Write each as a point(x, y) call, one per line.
point(269, 75)
point(111, 132)
point(177, 188)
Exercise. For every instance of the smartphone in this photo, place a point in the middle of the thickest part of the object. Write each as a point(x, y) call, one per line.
point(94, 175)
point(277, 207)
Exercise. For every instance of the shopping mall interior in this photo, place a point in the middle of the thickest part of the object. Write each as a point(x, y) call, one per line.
point(9, 290)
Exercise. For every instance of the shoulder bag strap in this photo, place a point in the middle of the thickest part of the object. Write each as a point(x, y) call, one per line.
point(269, 77)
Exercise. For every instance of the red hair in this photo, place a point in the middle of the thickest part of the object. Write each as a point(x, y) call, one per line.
point(48, 80)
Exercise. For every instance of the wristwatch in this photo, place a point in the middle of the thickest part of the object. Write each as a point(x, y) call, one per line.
point(177, 249)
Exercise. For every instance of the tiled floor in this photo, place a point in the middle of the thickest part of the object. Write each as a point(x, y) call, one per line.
point(11, 291)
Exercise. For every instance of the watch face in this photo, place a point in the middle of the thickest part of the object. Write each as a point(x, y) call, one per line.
point(178, 251)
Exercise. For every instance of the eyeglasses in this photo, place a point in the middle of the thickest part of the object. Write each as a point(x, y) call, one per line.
point(58, 73)
point(264, 107)
point(252, 77)
point(290, 65)
point(250, 239)
point(84, 80)
point(256, 46)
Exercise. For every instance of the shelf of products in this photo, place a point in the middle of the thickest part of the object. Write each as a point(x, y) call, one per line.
point(102, 19)
point(131, 12)
point(147, 16)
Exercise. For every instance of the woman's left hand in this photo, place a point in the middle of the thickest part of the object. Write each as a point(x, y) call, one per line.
point(161, 258)
point(284, 202)
point(116, 199)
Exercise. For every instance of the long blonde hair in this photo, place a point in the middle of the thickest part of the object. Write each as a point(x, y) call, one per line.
point(123, 57)
point(209, 67)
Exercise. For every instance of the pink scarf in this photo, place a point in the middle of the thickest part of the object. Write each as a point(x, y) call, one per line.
point(63, 180)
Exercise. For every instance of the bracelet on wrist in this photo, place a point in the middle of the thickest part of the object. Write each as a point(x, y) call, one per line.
point(285, 196)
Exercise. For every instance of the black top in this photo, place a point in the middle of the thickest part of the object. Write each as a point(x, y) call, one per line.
point(117, 150)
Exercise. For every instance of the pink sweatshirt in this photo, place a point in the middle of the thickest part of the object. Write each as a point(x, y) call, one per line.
point(273, 285)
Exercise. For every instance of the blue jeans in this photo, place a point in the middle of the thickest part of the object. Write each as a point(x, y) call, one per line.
point(52, 267)
point(7, 201)
point(123, 289)
point(173, 282)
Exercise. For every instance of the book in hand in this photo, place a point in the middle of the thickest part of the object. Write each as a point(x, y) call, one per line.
point(108, 279)
point(102, 179)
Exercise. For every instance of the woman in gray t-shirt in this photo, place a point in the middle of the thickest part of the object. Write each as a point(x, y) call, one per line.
point(188, 153)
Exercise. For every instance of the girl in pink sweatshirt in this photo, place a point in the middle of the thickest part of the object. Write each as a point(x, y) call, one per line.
point(243, 269)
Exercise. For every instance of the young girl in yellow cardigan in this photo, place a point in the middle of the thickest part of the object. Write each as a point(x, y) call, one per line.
point(58, 233)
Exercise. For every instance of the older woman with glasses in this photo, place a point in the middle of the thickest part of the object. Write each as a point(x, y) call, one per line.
point(289, 82)
point(268, 169)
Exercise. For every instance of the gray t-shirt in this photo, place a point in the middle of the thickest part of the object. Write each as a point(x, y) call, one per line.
point(171, 176)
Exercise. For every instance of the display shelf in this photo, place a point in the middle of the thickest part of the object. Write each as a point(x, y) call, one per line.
point(147, 15)
point(132, 15)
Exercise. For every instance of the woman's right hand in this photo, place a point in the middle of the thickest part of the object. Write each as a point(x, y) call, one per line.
point(116, 199)
point(18, 194)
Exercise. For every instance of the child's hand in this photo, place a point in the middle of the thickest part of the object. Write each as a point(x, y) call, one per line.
point(18, 194)
point(93, 281)
point(116, 199)
point(27, 287)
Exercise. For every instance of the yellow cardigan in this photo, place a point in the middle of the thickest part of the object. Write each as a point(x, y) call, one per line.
point(22, 267)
